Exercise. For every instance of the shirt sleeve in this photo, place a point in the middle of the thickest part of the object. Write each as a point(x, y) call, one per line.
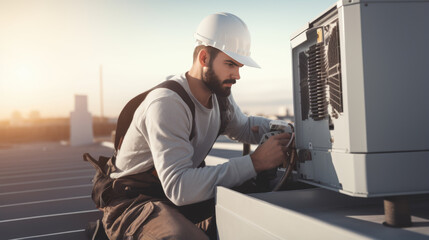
point(239, 127)
point(169, 122)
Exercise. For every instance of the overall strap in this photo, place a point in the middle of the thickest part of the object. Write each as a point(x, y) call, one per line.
point(128, 111)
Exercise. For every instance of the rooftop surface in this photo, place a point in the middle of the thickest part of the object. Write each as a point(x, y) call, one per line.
point(45, 188)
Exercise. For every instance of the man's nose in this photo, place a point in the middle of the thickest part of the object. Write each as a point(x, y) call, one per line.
point(236, 74)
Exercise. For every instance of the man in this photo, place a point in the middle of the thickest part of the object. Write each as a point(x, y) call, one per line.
point(158, 144)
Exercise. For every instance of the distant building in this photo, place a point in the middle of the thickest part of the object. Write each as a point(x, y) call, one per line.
point(81, 132)
point(16, 119)
point(34, 115)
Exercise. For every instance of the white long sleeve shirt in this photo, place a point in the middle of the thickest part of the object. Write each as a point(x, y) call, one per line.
point(159, 136)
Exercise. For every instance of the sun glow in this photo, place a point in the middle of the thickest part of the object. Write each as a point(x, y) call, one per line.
point(22, 79)
point(24, 72)
point(51, 50)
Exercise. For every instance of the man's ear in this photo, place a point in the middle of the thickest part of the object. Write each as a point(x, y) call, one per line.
point(203, 57)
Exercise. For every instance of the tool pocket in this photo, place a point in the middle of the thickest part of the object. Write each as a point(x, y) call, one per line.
point(141, 216)
point(102, 183)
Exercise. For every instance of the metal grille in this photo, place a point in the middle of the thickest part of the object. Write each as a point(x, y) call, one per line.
point(317, 82)
point(334, 71)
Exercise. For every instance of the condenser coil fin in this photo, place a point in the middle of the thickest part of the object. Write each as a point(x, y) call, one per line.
point(317, 81)
point(334, 70)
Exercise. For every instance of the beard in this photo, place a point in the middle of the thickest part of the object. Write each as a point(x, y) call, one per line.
point(212, 81)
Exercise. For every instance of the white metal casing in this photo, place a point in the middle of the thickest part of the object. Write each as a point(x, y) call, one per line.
point(379, 144)
point(311, 214)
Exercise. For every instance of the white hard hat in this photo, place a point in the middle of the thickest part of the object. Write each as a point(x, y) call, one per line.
point(228, 33)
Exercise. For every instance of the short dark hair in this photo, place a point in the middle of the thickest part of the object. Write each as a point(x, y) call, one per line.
point(211, 51)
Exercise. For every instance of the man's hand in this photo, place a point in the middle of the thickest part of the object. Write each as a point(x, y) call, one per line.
point(272, 153)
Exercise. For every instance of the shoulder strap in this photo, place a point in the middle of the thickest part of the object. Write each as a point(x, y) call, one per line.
point(128, 111)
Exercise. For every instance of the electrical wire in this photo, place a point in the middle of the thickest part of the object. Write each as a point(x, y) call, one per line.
point(290, 160)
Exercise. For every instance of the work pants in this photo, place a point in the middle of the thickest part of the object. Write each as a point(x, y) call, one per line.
point(143, 217)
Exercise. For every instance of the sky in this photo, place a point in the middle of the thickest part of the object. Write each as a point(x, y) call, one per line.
point(51, 50)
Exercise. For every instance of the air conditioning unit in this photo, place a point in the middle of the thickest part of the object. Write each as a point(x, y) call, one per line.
point(361, 98)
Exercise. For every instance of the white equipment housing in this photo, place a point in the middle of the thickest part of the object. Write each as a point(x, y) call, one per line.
point(360, 83)
point(362, 128)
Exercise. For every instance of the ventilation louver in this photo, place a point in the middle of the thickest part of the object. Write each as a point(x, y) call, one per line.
point(317, 81)
point(334, 70)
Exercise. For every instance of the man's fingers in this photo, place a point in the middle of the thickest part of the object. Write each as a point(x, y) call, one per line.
point(285, 150)
point(284, 141)
point(283, 135)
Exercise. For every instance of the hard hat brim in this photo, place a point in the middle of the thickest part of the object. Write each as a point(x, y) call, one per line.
point(247, 61)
